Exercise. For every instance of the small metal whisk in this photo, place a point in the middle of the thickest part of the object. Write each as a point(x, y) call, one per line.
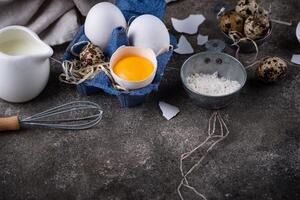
point(76, 115)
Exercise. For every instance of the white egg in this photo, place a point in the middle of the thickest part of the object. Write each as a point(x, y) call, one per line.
point(148, 31)
point(100, 22)
point(298, 32)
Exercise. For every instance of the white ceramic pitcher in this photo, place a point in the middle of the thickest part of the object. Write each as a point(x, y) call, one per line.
point(24, 64)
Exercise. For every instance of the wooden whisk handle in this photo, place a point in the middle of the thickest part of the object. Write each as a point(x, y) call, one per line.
point(9, 123)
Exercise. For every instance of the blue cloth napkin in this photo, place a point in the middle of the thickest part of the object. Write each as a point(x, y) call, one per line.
point(119, 38)
point(101, 81)
point(135, 8)
point(130, 8)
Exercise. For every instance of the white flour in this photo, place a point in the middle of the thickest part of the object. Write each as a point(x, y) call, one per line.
point(211, 84)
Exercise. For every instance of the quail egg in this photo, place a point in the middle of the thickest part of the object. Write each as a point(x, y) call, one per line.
point(256, 26)
point(272, 69)
point(247, 8)
point(231, 21)
point(262, 11)
point(91, 55)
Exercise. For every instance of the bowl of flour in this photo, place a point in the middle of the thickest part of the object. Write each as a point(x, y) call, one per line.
point(213, 79)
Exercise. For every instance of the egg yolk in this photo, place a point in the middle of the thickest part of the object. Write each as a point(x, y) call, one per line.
point(133, 68)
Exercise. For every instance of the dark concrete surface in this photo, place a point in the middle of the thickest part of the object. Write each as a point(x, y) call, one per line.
point(134, 153)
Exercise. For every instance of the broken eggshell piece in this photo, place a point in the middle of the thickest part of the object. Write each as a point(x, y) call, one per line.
point(202, 39)
point(169, 111)
point(296, 59)
point(184, 46)
point(188, 25)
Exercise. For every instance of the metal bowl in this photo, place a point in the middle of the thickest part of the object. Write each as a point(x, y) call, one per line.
point(209, 63)
point(248, 46)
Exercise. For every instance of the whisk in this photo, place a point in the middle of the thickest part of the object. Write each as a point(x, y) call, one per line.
point(84, 115)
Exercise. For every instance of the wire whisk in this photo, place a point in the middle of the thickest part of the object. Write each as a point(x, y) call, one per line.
point(76, 115)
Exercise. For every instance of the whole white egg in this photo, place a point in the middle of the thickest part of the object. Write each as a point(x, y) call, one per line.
point(148, 31)
point(298, 32)
point(100, 22)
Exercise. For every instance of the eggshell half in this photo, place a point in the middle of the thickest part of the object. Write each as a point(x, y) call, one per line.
point(148, 31)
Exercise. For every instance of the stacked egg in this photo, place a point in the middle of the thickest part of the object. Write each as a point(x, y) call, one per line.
point(248, 19)
point(146, 31)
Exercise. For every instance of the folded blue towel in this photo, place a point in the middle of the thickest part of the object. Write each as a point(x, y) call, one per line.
point(135, 8)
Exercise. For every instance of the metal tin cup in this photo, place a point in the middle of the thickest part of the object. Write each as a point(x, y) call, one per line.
point(247, 46)
point(209, 63)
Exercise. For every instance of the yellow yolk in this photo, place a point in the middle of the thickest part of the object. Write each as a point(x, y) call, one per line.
point(133, 68)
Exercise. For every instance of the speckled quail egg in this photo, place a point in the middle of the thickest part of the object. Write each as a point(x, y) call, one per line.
point(231, 21)
point(272, 69)
point(247, 8)
point(256, 26)
point(91, 55)
point(262, 11)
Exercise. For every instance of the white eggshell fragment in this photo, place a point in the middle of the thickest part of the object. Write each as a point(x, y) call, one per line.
point(169, 111)
point(184, 46)
point(296, 59)
point(148, 31)
point(100, 22)
point(202, 39)
point(188, 25)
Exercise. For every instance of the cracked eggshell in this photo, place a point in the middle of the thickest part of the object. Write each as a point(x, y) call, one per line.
point(247, 8)
point(256, 27)
point(272, 69)
point(125, 51)
point(100, 22)
point(231, 21)
point(148, 31)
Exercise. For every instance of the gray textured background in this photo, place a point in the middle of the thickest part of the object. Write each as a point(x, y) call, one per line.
point(134, 153)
